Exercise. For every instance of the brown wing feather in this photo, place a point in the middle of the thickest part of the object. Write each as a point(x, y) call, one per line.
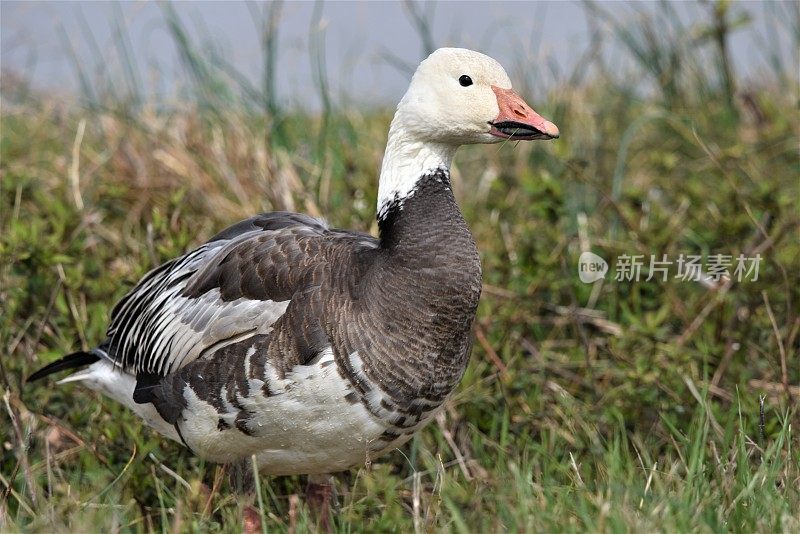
point(175, 315)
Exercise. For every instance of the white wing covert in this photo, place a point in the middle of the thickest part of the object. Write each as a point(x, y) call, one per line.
point(159, 327)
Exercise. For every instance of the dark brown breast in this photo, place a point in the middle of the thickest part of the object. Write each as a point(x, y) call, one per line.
point(411, 322)
point(397, 312)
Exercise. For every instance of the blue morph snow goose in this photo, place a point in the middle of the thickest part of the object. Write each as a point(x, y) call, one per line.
point(313, 348)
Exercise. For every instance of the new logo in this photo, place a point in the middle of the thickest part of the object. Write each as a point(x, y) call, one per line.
point(591, 267)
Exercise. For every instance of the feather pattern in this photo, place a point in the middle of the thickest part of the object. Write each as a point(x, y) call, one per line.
point(313, 348)
point(161, 326)
point(277, 317)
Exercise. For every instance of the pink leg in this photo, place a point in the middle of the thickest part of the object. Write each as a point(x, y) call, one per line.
point(320, 492)
point(242, 481)
point(251, 520)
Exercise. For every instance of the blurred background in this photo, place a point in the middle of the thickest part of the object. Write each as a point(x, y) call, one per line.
point(134, 131)
point(367, 50)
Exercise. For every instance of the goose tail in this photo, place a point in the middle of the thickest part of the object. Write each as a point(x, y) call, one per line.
point(70, 361)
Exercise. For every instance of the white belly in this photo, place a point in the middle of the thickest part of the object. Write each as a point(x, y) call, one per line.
point(305, 426)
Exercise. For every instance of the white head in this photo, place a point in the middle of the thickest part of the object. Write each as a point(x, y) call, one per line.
point(456, 97)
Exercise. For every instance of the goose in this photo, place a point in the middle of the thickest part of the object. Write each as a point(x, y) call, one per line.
point(310, 348)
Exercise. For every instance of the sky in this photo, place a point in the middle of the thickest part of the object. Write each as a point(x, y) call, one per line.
point(370, 47)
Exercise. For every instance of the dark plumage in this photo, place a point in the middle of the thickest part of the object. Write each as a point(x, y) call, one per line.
point(312, 348)
point(349, 292)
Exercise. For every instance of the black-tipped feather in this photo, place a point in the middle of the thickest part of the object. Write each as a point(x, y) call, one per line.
point(70, 361)
point(146, 383)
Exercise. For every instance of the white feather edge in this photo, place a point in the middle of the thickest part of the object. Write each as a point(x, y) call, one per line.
point(305, 426)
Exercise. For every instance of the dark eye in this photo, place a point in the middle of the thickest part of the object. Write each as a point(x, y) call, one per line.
point(465, 80)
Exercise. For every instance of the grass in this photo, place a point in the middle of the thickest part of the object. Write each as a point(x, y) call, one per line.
point(617, 406)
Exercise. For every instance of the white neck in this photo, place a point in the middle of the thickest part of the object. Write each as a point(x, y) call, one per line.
point(406, 160)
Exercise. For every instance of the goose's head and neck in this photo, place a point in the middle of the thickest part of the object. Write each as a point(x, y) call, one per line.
point(456, 97)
